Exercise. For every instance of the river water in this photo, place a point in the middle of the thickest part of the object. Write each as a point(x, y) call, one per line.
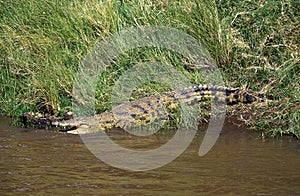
point(41, 162)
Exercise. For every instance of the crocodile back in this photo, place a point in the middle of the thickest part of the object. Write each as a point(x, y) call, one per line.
point(155, 107)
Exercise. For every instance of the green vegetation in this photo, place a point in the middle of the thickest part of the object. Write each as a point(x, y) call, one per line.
point(255, 44)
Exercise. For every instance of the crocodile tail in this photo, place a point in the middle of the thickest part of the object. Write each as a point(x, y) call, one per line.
point(223, 94)
point(241, 96)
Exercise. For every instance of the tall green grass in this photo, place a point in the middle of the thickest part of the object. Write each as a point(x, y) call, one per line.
point(255, 44)
point(266, 37)
point(42, 43)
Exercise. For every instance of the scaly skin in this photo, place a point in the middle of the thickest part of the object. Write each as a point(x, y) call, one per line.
point(152, 108)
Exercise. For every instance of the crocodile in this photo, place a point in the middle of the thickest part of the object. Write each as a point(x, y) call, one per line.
point(152, 108)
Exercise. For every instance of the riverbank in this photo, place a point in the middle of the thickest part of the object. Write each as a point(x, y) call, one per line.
point(255, 45)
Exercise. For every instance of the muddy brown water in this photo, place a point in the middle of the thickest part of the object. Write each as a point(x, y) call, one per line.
point(41, 162)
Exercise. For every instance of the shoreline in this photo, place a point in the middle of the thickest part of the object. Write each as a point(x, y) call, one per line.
point(230, 121)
